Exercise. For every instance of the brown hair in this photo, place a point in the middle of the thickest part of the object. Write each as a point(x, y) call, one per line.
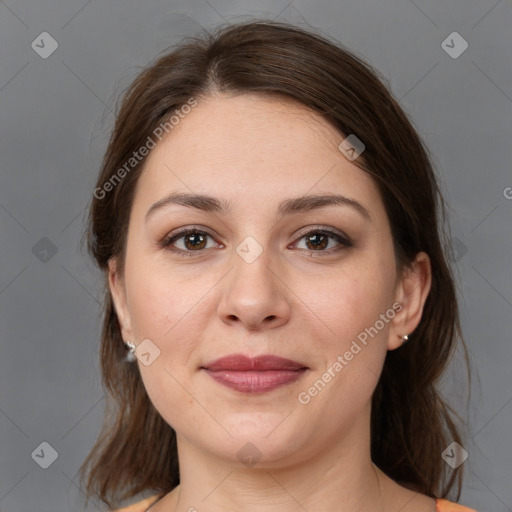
point(410, 424)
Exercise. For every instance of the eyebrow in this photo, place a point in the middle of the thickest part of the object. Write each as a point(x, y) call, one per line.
point(287, 207)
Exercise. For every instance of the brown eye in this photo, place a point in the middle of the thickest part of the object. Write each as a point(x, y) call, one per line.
point(195, 241)
point(187, 242)
point(318, 240)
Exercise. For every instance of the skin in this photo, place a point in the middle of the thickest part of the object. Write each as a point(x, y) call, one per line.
point(294, 301)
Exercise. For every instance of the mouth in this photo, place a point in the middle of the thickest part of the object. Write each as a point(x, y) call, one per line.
point(254, 375)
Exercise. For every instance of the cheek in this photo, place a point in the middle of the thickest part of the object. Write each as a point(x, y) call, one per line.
point(167, 319)
point(352, 359)
point(164, 314)
point(157, 301)
point(354, 348)
point(355, 345)
point(149, 307)
point(351, 302)
point(171, 313)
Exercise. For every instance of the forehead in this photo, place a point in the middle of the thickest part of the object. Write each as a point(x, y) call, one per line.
point(252, 149)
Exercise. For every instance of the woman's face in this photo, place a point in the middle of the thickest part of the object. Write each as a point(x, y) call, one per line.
point(264, 273)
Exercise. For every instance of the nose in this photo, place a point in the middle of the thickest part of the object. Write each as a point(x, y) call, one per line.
point(255, 295)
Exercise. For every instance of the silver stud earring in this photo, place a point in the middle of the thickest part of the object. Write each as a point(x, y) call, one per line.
point(131, 357)
point(405, 338)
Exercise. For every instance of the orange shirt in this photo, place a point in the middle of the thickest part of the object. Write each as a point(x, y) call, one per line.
point(441, 506)
point(448, 506)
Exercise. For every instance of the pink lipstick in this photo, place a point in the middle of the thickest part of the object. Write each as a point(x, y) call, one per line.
point(254, 375)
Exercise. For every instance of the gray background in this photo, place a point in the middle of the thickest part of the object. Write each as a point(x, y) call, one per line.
point(56, 113)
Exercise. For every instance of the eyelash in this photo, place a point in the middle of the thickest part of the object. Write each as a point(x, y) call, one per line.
point(167, 241)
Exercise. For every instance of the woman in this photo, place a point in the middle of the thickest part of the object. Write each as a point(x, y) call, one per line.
point(266, 220)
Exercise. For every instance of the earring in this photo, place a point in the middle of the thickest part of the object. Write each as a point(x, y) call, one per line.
point(130, 358)
point(405, 338)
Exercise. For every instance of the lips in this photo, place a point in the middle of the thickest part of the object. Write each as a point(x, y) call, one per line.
point(254, 375)
point(239, 362)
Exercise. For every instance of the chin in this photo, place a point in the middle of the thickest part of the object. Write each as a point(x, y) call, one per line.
point(251, 444)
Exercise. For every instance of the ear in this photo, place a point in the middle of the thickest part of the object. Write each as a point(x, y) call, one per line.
point(412, 291)
point(118, 291)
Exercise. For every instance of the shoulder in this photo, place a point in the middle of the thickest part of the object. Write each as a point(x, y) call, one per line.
point(448, 506)
point(140, 506)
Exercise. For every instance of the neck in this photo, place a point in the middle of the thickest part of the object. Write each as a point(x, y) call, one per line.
point(342, 478)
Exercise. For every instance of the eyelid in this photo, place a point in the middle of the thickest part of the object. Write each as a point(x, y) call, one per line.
point(181, 232)
point(340, 236)
point(324, 229)
point(343, 240)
